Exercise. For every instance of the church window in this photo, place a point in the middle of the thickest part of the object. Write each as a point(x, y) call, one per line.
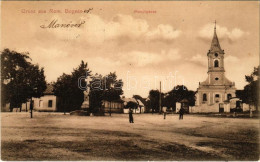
point(216, 63)
point(204, 97)
point(217, 95)
point(216, 55)
point(216, 78)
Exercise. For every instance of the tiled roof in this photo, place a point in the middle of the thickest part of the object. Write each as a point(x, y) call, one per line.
point(49, 89)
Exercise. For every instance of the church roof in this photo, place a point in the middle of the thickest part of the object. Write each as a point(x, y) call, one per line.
point(215, 46)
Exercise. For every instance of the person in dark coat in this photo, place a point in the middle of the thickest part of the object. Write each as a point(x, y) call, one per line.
point(131, 118)
point(181, 113)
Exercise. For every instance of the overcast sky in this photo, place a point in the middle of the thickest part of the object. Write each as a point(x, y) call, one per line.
point(143, 48)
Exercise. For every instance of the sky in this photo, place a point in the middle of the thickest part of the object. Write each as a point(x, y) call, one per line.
point(143, 42)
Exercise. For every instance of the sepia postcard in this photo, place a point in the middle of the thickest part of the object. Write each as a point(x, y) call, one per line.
point(130, 80)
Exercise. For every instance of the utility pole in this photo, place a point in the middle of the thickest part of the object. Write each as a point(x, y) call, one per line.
point(110, 109)
point(160, 100)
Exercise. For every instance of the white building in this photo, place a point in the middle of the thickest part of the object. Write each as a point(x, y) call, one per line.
point(48, 102)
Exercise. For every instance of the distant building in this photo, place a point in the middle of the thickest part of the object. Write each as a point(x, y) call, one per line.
point(48, 102)
point(140, 105)
point(116, 106)
point(212, 93)
point(119, 106)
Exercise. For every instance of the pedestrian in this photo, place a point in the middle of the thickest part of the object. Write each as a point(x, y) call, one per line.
point(164, 112)
point(131, 118)
point(181, 112)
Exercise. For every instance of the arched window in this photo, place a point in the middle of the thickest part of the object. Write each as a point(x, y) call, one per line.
point(229, 96)
point(216, 63)
point(204, 97)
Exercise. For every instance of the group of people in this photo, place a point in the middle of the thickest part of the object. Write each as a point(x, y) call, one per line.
point(181, 112)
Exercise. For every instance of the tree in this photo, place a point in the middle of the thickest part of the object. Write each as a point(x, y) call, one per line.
point(107, 88)
point(138, 97)
point(20, 79)
point(154, 100)
point(96, 93)
point(250, 93)
point(177, 94)
point(131, 104)
point(112, 89)
point(67, 89)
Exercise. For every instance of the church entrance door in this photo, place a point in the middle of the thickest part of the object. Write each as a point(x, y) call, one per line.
point(221, 108)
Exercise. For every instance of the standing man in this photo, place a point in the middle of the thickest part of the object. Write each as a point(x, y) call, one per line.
point(181, 113)
point(131, 118)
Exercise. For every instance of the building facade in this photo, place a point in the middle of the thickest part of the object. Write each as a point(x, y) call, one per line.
point(216, 88)
point(47, 103)
point(113, 106)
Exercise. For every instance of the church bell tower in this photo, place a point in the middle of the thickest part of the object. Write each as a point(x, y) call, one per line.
point(216, 61)
point(216, 88)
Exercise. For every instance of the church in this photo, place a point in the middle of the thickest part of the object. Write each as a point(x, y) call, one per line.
point(216, 89)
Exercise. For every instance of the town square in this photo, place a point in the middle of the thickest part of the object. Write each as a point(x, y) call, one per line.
point(54, 136)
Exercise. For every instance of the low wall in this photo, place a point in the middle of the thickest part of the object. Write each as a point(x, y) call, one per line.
point(204, 108)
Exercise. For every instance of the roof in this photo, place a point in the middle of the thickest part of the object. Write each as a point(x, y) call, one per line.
point(49, 89)
point(215, 46)
point(140, 103)
point(235, 99)
point(118, 101)
point(128, 99)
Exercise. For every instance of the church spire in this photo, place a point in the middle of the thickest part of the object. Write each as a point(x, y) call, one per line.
point(215, 26)
point(215, 46)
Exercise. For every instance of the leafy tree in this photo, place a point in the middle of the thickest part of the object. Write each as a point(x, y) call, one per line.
point(66, 88)
point(107, 88)
point(96, 93)
point(113, 88)
point(177, 94)
point(154, 100)
point(131, 104)
point(20, 79)
point(138, 97)
point(250, 93)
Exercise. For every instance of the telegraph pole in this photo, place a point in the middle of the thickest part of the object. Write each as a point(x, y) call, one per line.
point(160, 99)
